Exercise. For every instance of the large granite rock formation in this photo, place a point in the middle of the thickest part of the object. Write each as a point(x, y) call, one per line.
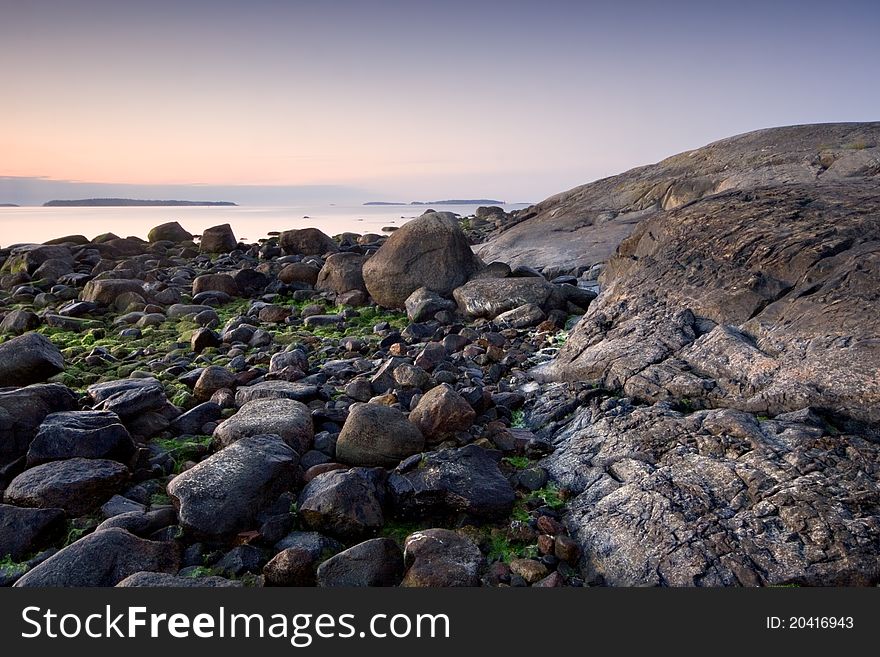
point(584, 225)
point(765, 301)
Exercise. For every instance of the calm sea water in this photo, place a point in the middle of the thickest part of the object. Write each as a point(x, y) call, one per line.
point(38, 224)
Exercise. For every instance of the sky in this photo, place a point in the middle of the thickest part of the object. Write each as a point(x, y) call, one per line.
point(407, 100)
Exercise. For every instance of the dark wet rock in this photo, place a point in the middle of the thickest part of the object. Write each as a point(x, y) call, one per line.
point(342, 272)
point(450, 482)
point(218, 239)
point(487, 297)
point(18, 322)
point(376, 562)
point(141, 523)
point(24, 531)
point(287, 418)
point(441, 412)
point(303, 392)
point(76, 485)
point(344, 503)
point(430, 252)
point(307, 241)
point(441, 558)
point(166, 581)
point(29, 358)
point(128, 397)
point(192, 422)
point(225, 493)
point(423, 304)
point(717, 498)
point(118, 505)
point(103, 558)
point(250, 282)
point(22, 411)
point(377, 435)
point(169, 232)
point(241, 560)
point(87, 434)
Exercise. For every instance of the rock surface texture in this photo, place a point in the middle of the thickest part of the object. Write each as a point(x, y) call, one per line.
point(584, 225)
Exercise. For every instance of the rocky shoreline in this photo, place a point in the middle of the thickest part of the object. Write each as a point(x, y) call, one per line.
point(228, 414)
point(394, 410)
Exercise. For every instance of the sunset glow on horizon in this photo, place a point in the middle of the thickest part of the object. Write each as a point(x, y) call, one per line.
point(515, 100)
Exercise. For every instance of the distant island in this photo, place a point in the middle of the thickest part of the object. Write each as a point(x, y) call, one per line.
point(117, 202)
point(454, 201)
point(9, 205)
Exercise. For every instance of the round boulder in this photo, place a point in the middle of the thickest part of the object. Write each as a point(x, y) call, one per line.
point(377, 435)
point(307, 241)
point(169, 232)
point(431, 251)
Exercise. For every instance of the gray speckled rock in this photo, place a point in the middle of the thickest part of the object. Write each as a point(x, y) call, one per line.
point(225, 493)
point(89, 434)
point(76, 485)
point(287, 418)
point(103, 558)
point(29, 358)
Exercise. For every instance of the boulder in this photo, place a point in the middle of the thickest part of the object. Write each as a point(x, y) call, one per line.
point(441, 558)
point(451, 482)
point(250, 282)
point(106, 291)
point(521, 317)
point(29, 358)
point(376, 562)
point(344, 503)
point(76, 485)
point(423, 304)
point(717, 498)
point(342, 272)
point(27, 258)
point(431, 252)
point(87, 434)
point(25, 531)
point(212, 379)
point(377, 435)
point(103, 558)
point(291, 567)
point(215, 283)
point(169, 232)
point(307, 241)
point(22, 411)
point(192, 422)
point(441, 412)
point(225, 493)
point(490, 297)
point(287, 418)
point(128, 397)
point(299, 272)
point(17, 322)
point(218, 239)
